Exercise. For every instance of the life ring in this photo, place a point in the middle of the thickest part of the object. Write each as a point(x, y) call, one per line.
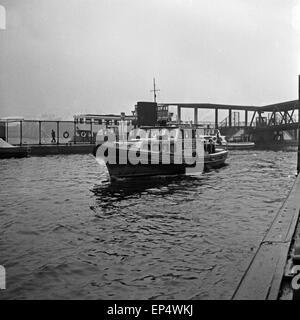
point(83, 134)
point(66, 135)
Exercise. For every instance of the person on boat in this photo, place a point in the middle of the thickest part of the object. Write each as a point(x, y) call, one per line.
point(211, 147)
point(219, 139)
point(53, 136)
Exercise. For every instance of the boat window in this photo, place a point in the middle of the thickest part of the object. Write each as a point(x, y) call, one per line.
point(153, 133)
point(155, 147)
point(165, 147)
point(188, 133)
point(137, 134)
point(175, 134)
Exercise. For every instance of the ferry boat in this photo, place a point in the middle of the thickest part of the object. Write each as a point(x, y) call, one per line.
point(87, 125)
point(186, 151)
point(240, 145)
point(232, 144)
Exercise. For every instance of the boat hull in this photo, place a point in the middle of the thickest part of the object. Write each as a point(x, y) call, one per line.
point(140, 170)
point(240, 145)
point(215, 160)
point(119, 171)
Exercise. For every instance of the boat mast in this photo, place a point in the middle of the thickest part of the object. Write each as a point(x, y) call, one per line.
point(154, 90)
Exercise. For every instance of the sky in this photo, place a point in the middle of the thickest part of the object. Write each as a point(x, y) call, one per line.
point(64, 57)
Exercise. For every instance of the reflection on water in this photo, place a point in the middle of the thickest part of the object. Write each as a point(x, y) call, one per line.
point(67, 232)
point(110, 192)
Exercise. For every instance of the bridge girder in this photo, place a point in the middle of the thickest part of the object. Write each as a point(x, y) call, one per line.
point(282, 106)
point(285, 111)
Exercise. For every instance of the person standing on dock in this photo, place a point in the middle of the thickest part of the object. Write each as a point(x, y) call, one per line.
point(53, 136)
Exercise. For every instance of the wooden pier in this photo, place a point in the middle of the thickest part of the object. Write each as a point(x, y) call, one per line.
point(269, 266)
point(45, 150)
point(271, 273)
point(42, 150)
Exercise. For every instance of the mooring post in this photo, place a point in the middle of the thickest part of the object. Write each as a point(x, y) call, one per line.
point(298, 159)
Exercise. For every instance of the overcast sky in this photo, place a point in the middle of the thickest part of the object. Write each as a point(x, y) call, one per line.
point(99, 56)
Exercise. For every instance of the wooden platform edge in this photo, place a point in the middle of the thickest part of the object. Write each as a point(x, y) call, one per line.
point(264, 274)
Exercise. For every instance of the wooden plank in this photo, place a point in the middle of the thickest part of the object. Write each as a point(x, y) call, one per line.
point(263, 277)
point(258, 279)
point(278, 273)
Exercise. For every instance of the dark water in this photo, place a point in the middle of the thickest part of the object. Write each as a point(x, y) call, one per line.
point(66, 233)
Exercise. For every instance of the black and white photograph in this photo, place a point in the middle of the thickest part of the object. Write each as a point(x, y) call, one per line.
point(149, 151)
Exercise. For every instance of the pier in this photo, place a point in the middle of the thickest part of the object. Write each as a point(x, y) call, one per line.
point(44, 150)
point(269, 274)
point(273, 271)
point(49, 137)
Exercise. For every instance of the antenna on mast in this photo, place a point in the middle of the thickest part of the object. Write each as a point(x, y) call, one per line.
point(154, 90)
